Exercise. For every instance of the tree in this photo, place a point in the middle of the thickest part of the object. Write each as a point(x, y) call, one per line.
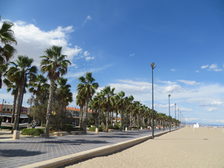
point(21, 72)
point(108, 102)
point(6, 49)
point(55, 64)
point(86, 89)
point(63, 97)
point(11, 87)
point(40, 89)
point(119, 101)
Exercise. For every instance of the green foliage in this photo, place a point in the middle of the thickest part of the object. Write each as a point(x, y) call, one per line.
point(93, 128)
point(5, 127)
point(33, 131)
point(68, 128)
point(116, 126)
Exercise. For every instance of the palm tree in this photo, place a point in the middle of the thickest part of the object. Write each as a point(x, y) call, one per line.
point(55, 64)
point(80, 101)
point(40, 89)
point(108, 102)
point(39, 85)
point(86, 89)
point(118, 102)
point(127, 110)
point(95, 105)
point(63, 98)
point(21, 72)
point(6, 49)
point(11, 87)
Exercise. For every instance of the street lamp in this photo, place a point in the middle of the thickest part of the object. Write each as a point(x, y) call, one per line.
point(169, 112)
point(175, 110)
point(153, 65)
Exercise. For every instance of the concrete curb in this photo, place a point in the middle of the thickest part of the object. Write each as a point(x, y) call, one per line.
point(101, 151)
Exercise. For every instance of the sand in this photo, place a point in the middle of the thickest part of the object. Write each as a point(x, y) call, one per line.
point(184, 148)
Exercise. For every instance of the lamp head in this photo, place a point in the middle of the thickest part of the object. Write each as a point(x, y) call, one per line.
point(153, 65)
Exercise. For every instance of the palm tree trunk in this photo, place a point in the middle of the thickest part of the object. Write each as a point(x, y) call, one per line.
point(107, 119)
point(122, 120)
point(49, 107)
point(85, 117)
point(19, 100)
point(14, 106)
point(130, 118)
point(81, 116)
point(1, 79)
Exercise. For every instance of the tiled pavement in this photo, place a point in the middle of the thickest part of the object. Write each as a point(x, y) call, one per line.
point(30, 150)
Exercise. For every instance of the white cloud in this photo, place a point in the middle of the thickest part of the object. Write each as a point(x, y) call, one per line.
point(87, 56)
point(212, 67)
point(188, 82)
point(204, 66)
point(210, 109)
point(211, 102)
point(173, 70)
point(172, 88)
point(86, 53)
point(217, 102)
point(33, 41)
point(88, 18)
point(191, 119)
point(81, 73)
point(189, 99)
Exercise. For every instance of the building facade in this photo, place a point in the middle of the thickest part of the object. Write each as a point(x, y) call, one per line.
point(6, 112)
point(76, 115)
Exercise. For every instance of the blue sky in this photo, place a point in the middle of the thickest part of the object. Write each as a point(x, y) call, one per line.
point(117, 40)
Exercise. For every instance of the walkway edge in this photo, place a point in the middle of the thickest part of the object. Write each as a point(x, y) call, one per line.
point(77, 157)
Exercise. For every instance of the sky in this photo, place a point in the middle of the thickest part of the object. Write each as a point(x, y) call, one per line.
point(117, 41)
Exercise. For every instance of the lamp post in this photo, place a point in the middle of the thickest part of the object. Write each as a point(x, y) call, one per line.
point(178, 115)
point(175, 110)
point(169, 112)
point(153, 65)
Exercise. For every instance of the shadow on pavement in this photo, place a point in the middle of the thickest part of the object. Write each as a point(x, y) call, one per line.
point(69, 142)
point(114, 136)
point(75, 142)
point(18, 152)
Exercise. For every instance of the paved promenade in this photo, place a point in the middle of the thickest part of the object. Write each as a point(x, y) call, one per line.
point(15, 153)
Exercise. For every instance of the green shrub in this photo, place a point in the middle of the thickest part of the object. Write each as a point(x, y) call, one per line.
point(116, 126)
point(92, 129)
point(33, 131)
point(6, 127)
point(110, 127)
point(68, 128)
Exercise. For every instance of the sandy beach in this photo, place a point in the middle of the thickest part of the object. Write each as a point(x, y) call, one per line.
point(185, 148)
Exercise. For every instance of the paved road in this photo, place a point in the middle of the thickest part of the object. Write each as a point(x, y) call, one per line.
point(30, 150)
